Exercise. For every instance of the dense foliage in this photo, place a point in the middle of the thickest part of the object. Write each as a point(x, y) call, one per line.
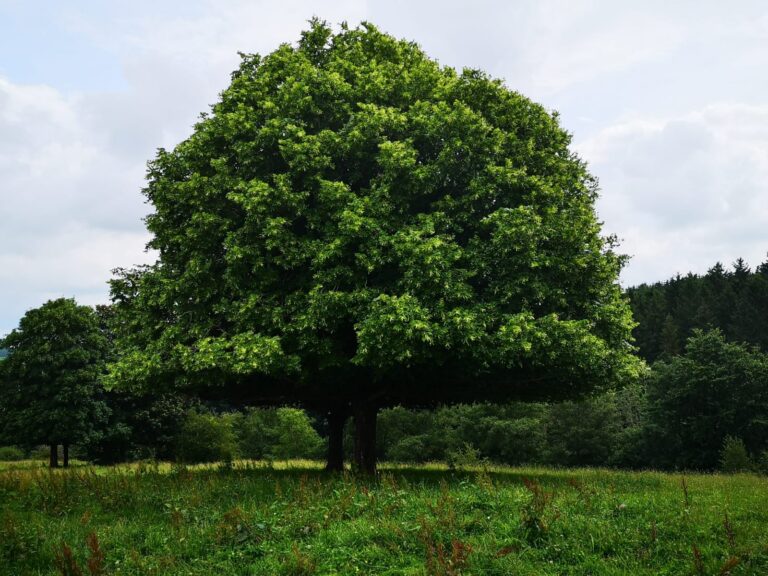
point(716, 389)
point(734, 301)
point(143, 426)
point(49, 384)
point(703, 408)
point(258, 434)
point(276, 434)
point(604, 431)
point(354, 226)
point(681, 415)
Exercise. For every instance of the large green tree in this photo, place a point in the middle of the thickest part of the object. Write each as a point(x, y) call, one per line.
point(354, 226)
point(49, 384)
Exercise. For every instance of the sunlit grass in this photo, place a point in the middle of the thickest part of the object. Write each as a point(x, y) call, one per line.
point(250, 517)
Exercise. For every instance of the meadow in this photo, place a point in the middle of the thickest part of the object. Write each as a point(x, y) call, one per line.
point(291, 518)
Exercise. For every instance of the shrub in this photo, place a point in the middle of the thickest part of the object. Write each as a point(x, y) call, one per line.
point(10, 454)
point(734, 456)
point(513, 433)
point(206, 438)
point(465, 457)
point(583, 433)
point(762, 462)
point(277, 434)
point(410, 449)
point(404, 435)
point(110, 445)
point(296, 438)
point(255, 433)
point(521, 440)
point(39, 453)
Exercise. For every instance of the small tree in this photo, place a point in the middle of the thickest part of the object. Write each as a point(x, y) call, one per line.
point(49, 383)
point(734, 456)
point(277, 434)
point(206, 438)
point(714, 390)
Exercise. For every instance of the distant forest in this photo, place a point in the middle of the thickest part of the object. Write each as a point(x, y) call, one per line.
point(667, 313)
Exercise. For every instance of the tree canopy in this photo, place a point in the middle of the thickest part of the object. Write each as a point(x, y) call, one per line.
point(49, 382)
point(355, 225)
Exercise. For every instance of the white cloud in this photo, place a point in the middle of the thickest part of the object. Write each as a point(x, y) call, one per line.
point(540, 47)
point(73, 164)
point(682, 178)
point(572, 43)
point(685, 192)
point(76, 256)
point(70, 210)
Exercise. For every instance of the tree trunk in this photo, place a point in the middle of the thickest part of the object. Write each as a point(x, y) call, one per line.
point(66, 455)
point(336, 421)
point(54, 460)
point(365, 438)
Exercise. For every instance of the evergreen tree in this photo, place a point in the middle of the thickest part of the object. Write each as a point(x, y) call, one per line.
point(670, 337)
point(735, 302)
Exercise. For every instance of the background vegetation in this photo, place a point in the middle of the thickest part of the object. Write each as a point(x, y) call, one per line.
point(693, 407)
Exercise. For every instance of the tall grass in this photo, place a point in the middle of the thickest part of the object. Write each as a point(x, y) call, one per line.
point(292, 518)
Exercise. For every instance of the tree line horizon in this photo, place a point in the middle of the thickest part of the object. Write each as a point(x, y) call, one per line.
point(623, 429)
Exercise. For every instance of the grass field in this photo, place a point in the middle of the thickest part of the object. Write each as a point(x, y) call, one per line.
point(293, 519)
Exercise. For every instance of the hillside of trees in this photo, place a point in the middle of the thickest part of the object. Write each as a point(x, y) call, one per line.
point(733, 300)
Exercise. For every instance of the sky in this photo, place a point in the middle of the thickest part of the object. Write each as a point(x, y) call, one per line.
point(666, 101)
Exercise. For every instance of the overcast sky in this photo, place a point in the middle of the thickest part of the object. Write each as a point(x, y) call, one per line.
point(667, 101)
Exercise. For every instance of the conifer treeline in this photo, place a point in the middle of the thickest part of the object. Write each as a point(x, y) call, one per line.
point(735, 301)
